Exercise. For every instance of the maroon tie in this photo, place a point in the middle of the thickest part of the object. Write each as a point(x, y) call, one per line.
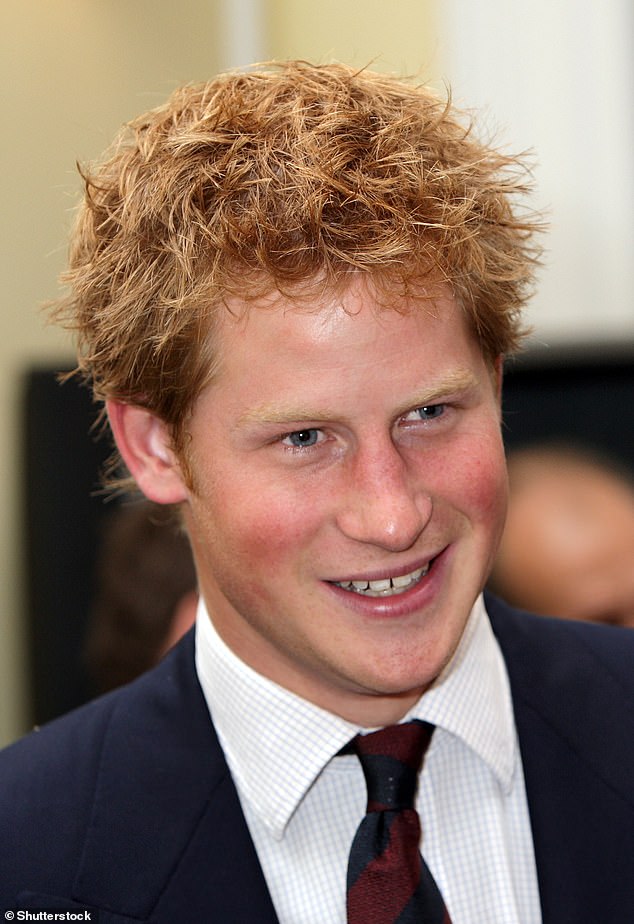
point(388, 880)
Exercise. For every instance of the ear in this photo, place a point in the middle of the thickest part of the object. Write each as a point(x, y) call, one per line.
point(146, 448)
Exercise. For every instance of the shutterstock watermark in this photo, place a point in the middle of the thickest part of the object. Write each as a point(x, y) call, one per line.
point(82, 914)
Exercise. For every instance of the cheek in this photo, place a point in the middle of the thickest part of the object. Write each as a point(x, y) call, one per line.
point(491, 491)
point(251, 517)
point(472, 477)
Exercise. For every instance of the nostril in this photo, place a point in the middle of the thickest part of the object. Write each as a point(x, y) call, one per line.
point(390, 521)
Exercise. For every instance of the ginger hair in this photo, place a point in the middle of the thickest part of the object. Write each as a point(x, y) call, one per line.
point(279, 179)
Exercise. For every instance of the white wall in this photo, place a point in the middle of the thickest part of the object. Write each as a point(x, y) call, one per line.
point(558, 76)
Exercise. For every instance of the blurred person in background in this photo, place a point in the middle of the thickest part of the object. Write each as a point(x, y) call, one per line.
point(145, 593)
point(568, 544)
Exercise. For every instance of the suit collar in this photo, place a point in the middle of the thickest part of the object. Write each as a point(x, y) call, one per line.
point(567, 673)
point(163, 804)
point(570, 700)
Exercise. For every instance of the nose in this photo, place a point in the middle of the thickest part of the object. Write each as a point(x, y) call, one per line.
point(384, 504)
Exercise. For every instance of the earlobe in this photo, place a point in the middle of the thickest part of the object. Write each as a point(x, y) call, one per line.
point(145, 446)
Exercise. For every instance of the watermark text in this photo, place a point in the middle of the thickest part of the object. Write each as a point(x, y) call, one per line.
point(82, 914)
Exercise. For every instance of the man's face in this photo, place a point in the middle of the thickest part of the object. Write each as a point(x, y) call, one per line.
point(349, 492)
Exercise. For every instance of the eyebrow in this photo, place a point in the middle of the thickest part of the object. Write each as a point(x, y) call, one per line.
point(272, 413)
point(454, 383)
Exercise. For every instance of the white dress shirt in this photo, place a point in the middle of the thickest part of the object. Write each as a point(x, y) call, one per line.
point(303, 804)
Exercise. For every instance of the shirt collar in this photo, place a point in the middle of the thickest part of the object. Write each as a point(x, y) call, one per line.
point(277, 743)
point(471, 699)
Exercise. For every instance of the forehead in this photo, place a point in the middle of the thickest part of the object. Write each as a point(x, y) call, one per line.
point(331, 354)
point(323, 312)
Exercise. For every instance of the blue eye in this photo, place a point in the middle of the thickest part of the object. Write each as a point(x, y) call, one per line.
point(425, 413)
point(430, 411)
point(302, 439)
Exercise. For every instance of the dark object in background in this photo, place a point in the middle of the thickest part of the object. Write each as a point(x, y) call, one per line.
point(581, 395)
point(62, 516)
point(574, 395)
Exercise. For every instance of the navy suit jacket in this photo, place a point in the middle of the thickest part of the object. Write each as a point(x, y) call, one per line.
point(126, 805)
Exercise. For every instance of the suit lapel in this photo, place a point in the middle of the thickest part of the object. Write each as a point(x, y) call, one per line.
point(167, 813)
point(577, 767)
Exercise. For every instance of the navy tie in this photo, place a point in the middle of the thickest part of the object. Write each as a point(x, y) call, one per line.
point(388, 880)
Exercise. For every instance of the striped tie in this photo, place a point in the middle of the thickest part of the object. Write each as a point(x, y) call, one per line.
point(388, 880)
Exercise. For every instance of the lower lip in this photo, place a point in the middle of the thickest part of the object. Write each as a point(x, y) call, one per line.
point(415, 598)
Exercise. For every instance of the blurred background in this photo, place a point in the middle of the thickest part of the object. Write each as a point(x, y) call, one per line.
point(556, 77)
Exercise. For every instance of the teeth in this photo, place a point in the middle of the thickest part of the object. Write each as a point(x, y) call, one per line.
point(378, 586)
point(403, 581)
point(386, 587)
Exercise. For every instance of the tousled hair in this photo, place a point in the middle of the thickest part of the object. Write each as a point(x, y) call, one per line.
point(284, 178)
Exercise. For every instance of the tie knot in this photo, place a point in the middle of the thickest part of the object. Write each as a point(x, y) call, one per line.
point(391, 759)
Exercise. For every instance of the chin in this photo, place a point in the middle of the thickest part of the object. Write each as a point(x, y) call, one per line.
point(405, 677)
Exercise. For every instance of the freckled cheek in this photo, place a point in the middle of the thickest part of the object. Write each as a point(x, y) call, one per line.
point(490, 487)
point(473, 481)
point(268, 523)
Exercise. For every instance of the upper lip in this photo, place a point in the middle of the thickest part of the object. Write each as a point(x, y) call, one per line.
point(385, 573)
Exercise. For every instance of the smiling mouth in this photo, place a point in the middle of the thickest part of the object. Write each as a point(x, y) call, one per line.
point(385, 587)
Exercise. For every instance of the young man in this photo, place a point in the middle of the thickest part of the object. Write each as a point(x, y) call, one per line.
point(293, 290)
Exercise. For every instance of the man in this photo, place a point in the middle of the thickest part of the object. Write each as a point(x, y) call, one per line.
point(568, 543)
point(293, 290)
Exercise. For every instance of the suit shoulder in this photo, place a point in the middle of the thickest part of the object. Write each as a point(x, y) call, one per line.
point(57, 756)
point(47, 784)
point(92, 792)
point(564, 646)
